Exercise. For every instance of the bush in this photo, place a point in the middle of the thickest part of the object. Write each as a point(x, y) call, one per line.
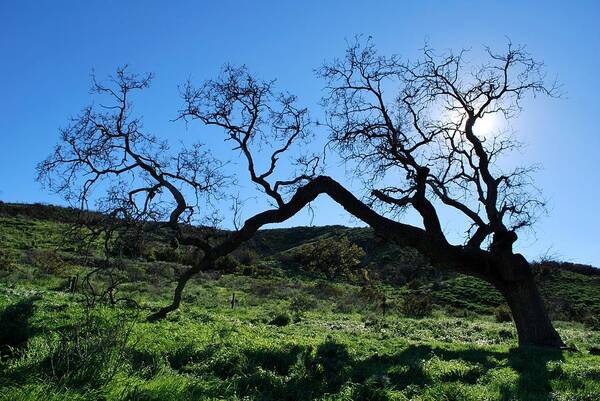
point(129, 243)
point(416, 305)
point(502, 314)
point(165, 254)
point(158, 271)
point(281, 319)
point(247, 257)
point(350, 302)
point(302, 302)
point(330, 256)
point(8, 259)
point(227, 264)
point(89, 354)
point(47, 261)
point(325, 290)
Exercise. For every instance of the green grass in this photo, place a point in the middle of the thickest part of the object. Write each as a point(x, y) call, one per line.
point(331, 340)
point(218, 353)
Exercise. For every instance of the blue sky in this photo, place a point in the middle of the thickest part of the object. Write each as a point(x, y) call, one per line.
point(49, 48)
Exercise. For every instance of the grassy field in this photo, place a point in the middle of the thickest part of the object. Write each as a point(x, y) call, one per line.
point(289, 335)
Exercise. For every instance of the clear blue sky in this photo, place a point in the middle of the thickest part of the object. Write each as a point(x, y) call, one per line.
point(48, 48)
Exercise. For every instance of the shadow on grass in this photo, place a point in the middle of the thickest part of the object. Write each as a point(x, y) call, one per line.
point(303, 373)
point(534, 376)
point(15, 327)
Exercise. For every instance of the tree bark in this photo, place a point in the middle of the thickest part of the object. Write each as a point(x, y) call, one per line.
point(529, 313)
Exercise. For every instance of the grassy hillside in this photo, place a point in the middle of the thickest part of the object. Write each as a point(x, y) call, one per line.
point(290, 335)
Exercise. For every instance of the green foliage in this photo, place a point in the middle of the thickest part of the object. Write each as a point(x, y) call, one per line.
point(46, 261)
point(247, 256)
point(235, 354)
point(502, 314)
point(330, 256)
point(227, 264)
point(88, 354)
point(281, 319)
point(303, 303)
point(416, 304)
point(8, 259)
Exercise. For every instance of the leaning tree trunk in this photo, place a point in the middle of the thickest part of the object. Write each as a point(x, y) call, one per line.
point(529, 313)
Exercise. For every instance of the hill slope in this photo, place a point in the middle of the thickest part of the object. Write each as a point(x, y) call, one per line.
point(286, 335)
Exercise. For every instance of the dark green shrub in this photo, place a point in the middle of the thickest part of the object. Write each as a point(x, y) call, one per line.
point(227, 264)
point(130, 243)
point(330, 256)
point(247, 257)
point(8, 259)
point(302, 303)
point(502, 314)
point(47, 261)
point(416, 305)
point(281, 319)
point(165, 254)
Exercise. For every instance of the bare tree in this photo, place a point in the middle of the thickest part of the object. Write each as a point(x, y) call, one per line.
point(105, 148)
point(417, 148)
point(420, 148)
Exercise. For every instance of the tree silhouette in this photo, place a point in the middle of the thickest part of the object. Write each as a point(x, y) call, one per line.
point(407, 130)
point(423, 144)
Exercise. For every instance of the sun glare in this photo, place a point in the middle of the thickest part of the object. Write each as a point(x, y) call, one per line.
point(486, 126)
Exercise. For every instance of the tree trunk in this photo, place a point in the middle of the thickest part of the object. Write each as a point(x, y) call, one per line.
point(529, 314)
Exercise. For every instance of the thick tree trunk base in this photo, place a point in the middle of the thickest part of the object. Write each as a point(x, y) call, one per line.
point(534, 327)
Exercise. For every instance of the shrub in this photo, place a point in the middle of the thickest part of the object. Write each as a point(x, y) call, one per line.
point(330, 256)
point(247, 257)
point(129, 243)
point(8, 259)
point(160, 270)
point(281, 319)
point(351, 302)
point(325, 290)
point(302, 302)
point(47, 261)
point(416, 305)
point(227, 264)
point(89, 354)
point(502, 314)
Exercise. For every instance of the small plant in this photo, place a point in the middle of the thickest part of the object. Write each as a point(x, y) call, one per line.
point(159, 271)
point(88, 354)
